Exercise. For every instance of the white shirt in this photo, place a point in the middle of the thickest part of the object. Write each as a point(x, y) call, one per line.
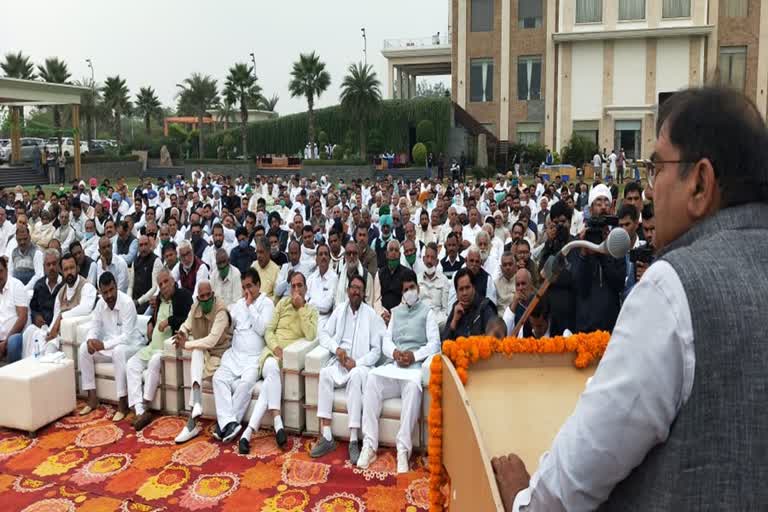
point(13, 295)
point(321, 290)
point(628, 407)
point(469, 233)
point(209, 254)
point(117, 326)
point(490, 291)
point(37, 261)
point(435, 291)
point(612, 161)
point(87, 300)
point(230, 289)
point(7, 230)
point(119, 269)
point(432, 346)
point(249, 324)
point(281, 284)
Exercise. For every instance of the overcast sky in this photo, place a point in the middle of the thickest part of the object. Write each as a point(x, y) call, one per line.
point(161, 42)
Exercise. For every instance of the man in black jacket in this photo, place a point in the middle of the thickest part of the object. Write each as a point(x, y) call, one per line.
point(471, 312)
point(170, 309)
point(46, 288)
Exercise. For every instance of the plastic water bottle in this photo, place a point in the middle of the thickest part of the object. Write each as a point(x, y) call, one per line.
point(37, 350)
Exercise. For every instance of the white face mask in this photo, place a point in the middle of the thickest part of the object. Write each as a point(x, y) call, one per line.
point(430, 271)
point(411, 297)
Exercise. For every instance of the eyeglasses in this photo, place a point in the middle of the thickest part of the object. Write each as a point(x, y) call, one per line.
point(654, 167)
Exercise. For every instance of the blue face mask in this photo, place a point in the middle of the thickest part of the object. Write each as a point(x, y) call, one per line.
point(243, 244)
point(88, 235)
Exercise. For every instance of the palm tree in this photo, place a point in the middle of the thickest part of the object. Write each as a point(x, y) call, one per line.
point(361, 97)
point(148, 106)
point(309, 79)
point(200, 93)
point(90, 105)
point(116, 101)
point(269, 104)
point(55, 71)
point(241, 88)
point(18, 66)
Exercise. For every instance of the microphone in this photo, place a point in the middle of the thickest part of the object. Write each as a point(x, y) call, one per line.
point(617, 244)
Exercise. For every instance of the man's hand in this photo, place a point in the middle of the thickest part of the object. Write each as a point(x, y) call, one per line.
point(349, 363)
point(640, 269)
point(511, 477)
point(248, 297)
point(298, 301)
point(406, 359)
point(341, 354)
point(396, 355)
point(458, 312)
point(162, 326)
point(278, 352)
point(386, 315)
point(181, 339)
point(54, 329)
point(94, 346)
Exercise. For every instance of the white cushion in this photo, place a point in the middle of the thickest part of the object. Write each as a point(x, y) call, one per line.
point(295, 354)
point(35, 394)
point(316, 359)
point(68, 331)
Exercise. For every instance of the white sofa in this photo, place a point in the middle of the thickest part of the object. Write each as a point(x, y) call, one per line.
point(293, 413)
point(389, 422)
point(69, 343)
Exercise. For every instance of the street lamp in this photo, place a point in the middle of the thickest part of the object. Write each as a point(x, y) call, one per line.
point(93, 100)
point(365, 47)
point(253, 59)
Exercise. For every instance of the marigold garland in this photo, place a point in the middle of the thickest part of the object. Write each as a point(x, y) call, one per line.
point(466, 351)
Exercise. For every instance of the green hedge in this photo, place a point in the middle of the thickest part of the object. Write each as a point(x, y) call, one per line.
point(108, 158)
point(351, 161)
point(288, 134)
point(214, 161)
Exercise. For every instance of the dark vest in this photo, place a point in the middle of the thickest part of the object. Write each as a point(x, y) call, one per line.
point(142, 274)
point(86, 268)
point(123, 246)
point(716, 456)
point(391, 286)
point(188, 280)
point(480, 282)
point(451, 268)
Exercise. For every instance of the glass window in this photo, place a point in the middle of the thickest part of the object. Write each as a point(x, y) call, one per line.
point(481, 80)
point(528, 133)
point(676, 9)
point(628, 137)
point(734, 8)
point(733, 66)
point(631, 10)
point(529, 78)
point(587, 129)
point(482, 16)
point(529, 13)
point(589, 11)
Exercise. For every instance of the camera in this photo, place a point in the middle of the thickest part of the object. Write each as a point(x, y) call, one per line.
point(643, 254)
point(596, 227)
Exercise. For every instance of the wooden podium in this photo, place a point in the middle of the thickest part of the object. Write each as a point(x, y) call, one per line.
point(509, 405)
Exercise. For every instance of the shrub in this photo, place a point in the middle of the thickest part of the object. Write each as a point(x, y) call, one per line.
point(419, 154)
point(351, 161)
point(214, 161)
point(322, 138)
point(338, 152)
point(578, 151)
point(425, 131)
point(375, 141)
point(91, 159)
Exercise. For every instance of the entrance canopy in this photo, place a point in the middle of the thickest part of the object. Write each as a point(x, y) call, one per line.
point(23, 93)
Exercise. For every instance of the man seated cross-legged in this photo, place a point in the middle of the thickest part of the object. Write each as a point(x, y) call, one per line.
point(412, 336)
point(206, 333)
point(235, 379)
point(353, 335)
point(113, 337)
point(171, 309)
point(293, 320)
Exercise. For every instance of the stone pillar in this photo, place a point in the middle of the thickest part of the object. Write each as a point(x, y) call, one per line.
point(76, 139)
point(391, 70)
point(402, 85)
point(482, 151)
point(411, 86)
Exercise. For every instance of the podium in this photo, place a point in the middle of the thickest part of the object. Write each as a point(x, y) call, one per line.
point(509, 405)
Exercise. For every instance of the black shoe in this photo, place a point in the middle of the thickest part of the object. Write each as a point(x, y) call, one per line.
point(281, 437)
point(217, 435)
point(244, 447)
point(230, 431)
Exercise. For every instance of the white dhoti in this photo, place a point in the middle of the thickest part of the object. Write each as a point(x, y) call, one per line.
point(233, 384)
point(118, 356)
point(135, 376)
point(336, 376)
point(196, 368)
point(36, 336)
point(378, 389)
point(271, 392)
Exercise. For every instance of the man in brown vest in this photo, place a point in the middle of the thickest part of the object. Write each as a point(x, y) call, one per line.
point(207, 333)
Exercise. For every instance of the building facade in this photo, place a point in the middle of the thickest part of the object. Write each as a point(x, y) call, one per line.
point(542, 70)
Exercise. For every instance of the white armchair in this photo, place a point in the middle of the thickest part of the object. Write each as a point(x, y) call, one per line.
point(69, 343)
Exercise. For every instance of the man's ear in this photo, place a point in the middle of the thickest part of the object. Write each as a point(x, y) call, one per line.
point(705, 191)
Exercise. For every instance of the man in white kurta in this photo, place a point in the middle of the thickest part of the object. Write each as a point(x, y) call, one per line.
point(412, 336)
point(321, 286)
point(235, 379)
point(353, 335)
point(113, 337)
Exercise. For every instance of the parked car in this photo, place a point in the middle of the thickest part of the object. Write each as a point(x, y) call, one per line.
point(5, 150)
point(96, 148)
point(28, 146)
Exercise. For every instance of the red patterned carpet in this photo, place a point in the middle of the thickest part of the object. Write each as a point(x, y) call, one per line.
point(89, 463)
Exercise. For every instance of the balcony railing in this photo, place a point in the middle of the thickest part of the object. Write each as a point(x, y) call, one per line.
point(436, 40)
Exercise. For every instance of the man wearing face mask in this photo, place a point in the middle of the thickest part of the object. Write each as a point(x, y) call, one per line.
point(409, 258)
point(434, 286)
point(411, 337)
point(207, 332)
point(389, 282)
point(226, 279)
point(243, 255)
point(380, 244)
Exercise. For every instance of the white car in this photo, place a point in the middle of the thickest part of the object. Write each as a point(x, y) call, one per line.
point(67, 146)
point(5, 153)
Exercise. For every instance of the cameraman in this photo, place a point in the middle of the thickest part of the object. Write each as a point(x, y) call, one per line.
point(561, 296)
point(649, 227)
point(598, 278)
point(629, 219)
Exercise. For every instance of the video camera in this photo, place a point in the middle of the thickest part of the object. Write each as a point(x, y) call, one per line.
point(643, 254)
point(596, 227)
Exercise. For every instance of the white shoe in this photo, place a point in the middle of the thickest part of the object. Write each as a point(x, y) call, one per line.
point(197, 410)
point(367, 456)
point(119, 416)
point(186, 434)
point(402, 462)
point(85, 410)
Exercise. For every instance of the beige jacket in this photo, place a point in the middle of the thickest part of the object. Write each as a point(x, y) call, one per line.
point(211, 333)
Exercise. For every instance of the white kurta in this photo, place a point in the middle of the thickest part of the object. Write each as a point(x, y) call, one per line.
point(321, 290)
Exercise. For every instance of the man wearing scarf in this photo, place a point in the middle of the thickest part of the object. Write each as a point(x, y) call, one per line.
point(353, 337)
point(380, 244)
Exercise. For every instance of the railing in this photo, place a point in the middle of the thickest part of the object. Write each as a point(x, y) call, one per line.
point(436, 40)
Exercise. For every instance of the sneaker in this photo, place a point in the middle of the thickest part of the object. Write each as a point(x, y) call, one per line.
point(282, 438)
point(186, 434)
point(322, 447)
point(142, 420)
point(402, 462)
point(354, 452)
point(244, 446)
point(230, 431)
point(366, 458)
point(197, 410)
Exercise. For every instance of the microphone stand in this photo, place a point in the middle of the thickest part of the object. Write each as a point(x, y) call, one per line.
point(552, 269)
